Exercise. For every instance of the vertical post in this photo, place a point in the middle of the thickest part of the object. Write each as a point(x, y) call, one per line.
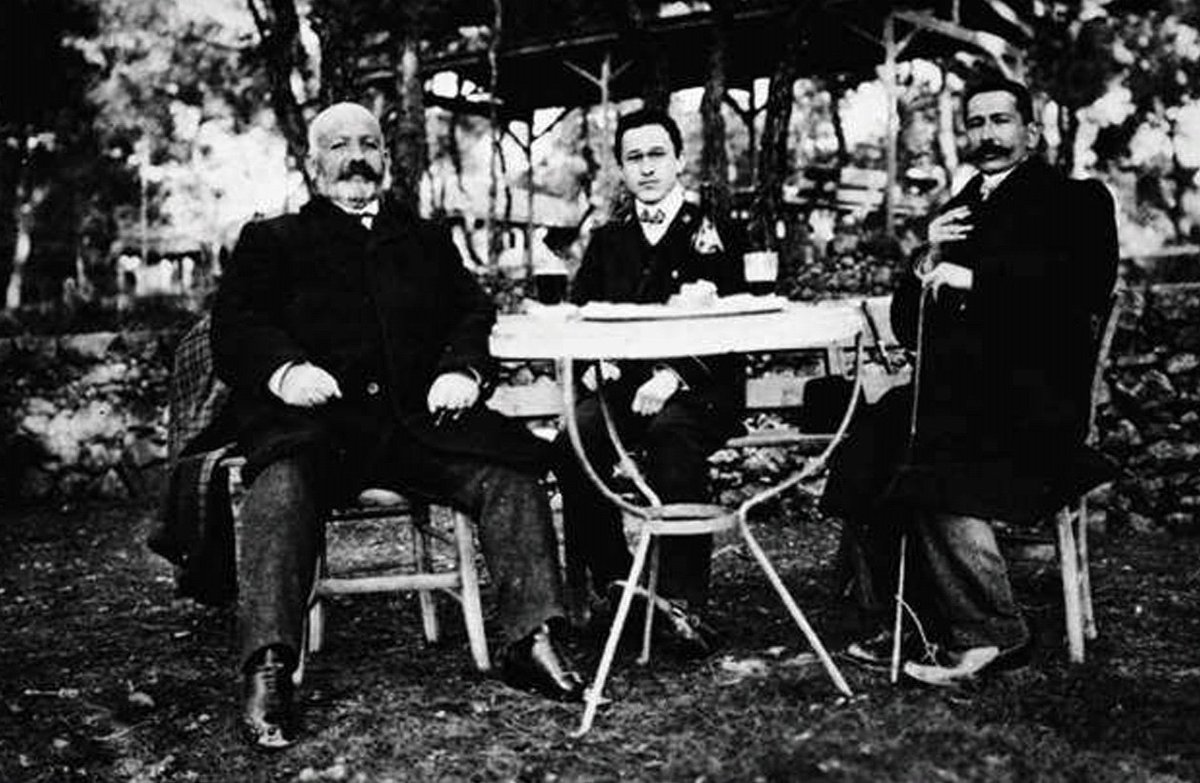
point(893, 123)
point(496, 130)
point(529, 196)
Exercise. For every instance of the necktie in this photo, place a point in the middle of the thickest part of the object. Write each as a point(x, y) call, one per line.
point(652, 216)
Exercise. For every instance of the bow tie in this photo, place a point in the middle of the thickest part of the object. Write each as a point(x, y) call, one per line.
point(652, 216)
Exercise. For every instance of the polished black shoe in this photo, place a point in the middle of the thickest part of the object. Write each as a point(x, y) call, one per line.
point(268, 715)
point(532, 664)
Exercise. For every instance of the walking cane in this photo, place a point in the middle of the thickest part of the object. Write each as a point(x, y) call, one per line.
point(898, 623)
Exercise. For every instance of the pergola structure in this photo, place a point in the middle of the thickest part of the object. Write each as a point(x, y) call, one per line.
point(615, 51)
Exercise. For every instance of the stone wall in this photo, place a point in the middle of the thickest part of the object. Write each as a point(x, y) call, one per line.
point(1150, 418)
point(85, 416)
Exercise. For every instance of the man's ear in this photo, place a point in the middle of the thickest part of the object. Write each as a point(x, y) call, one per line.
point(1034, 129)
point(310, 166)
point(386, 182)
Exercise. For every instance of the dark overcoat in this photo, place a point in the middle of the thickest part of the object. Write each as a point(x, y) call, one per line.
point(384, 311)
point(1006, 368)
point(620, 265)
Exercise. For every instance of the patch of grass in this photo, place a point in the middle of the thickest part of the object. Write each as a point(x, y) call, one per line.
point(106, 677)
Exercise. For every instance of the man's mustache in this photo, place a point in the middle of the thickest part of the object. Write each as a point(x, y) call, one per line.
point(990, 150)
point(360, 168)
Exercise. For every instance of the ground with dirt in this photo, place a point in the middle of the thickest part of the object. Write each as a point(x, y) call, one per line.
point(106, 677)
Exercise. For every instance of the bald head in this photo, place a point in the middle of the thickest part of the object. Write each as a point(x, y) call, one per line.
point(346, 155)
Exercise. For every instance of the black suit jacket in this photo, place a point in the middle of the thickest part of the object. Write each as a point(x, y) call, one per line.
point(1006, 367)
point(384, 311)
point(620, 265)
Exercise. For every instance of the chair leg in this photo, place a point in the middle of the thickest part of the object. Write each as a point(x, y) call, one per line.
point(898, 623)
point(1085, 573)
point(652, 594)
point(420, 540)
point(814, 641)
point(594, 694)
point(314, 636)
point(1069, 566)
point(472, 606)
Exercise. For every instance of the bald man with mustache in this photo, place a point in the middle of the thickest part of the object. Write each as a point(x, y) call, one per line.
point(355, 343)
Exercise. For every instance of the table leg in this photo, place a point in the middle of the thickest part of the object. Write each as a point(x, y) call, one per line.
point(814, 641)
point(595, 693)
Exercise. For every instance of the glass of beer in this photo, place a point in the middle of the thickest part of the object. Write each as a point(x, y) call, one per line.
point(762, 269)
point(550, 285)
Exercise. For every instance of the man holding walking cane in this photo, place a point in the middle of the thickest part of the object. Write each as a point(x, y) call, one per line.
point(1000, 312)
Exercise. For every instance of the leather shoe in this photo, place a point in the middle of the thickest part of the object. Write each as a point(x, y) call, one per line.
point(268, 715)
point(532, 664)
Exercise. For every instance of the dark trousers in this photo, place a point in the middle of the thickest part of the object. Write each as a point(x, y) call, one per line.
point(676, 443)
point(282, 530)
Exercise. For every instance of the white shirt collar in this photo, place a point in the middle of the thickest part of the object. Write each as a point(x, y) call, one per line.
point(371, 208)
point(992, 181)
point(670, 206)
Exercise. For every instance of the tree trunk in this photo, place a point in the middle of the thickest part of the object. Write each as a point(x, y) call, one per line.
point(496, 130)
point(714, 158)
point(329, 23)
point(631, 18)
point(836, 92)
point(773, 156)
point(280, 34)
point(23, 206)
point(946, 141)
point(410, 151)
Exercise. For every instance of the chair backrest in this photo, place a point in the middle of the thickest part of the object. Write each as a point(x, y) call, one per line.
point(1105, 329)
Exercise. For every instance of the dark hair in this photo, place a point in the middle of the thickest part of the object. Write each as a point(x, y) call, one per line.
point(1017, 90)
point(642, 118)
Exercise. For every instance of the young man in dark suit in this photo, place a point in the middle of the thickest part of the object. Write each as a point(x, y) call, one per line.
point(678, 411)
point(355, 344)
point(1019, 270)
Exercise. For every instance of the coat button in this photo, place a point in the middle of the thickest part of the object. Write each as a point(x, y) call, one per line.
point(372, 388)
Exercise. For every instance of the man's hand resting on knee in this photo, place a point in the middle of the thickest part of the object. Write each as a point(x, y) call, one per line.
point(304, 385)
point(654, 393)
point(453, 391)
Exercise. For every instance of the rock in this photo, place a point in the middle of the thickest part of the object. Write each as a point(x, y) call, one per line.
point(87, 347)
point(1123, 437)
point(1136, 360)
point(42, 349)
point(1140, 524)
point(1155, 387)
point(143, 451)
point(74, 484)
point(111, 374)
point(95, 456)
point(110, 486)
point(7, 349)
point(1183, 362)
point(1167, 451)
point(1180, 521)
